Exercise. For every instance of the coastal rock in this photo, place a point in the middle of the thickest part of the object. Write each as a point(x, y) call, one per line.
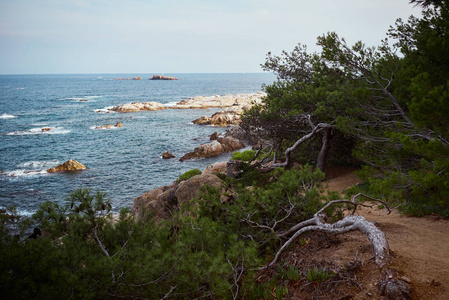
point(221, 118)
point(218, 167)
point(214, 148)
point(238, 100)
point(148, 203)
point(162, 77)
point(136, 106)
point(162, 202)
point(68, 166)
point(190, 188)
point(214, 136)
point(167, 155)
point(45, 129)
point(117, 125)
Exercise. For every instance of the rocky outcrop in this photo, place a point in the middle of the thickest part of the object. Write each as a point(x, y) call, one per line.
point(218, 167)
point(162, 77)
point(162, 202)
point(214, 148)
point(136, 106)
point(230, 116)
point(117, 125)
point(238, 100)
point(68, 166)
point(167, 155)
point(190, 188)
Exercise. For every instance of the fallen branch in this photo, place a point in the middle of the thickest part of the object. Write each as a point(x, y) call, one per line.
point(349, 223)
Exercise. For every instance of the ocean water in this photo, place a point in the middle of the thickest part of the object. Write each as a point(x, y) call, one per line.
point(124, 162)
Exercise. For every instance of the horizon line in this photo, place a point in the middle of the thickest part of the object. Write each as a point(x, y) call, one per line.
point(135, 73)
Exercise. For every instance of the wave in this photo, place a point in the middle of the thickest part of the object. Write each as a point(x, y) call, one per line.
point(24, 173)
point(45, 164)
point(83, 99)
point(41, 130)
point(6, 116)
point(170, 104)
point(105, 110)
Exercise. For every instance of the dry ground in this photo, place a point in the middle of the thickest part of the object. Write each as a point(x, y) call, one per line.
point(419, 248)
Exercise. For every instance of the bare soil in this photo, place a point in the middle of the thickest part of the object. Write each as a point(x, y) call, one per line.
point(419, 249)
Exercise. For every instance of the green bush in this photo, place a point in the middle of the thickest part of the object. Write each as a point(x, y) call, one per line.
point(189, 174)
point(246, 155)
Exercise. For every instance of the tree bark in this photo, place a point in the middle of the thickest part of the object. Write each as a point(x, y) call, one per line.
point(322, 156)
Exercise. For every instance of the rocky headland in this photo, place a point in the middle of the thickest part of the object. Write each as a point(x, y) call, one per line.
point(240, 100)
point(138, 106)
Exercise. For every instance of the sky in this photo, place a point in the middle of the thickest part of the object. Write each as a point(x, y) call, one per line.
point(177, 36)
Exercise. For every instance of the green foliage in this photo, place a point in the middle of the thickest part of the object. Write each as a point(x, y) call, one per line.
point(290, 273)
point(316, 274)
point(189, 174)
point(246, 155)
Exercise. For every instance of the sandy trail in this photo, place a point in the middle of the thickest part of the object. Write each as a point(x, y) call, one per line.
point(419, 246)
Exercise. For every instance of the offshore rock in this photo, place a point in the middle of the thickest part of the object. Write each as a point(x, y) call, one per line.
point(68, 166)
point(136, 106)
point(167, 155)
point(162, 77)
point(214, 148)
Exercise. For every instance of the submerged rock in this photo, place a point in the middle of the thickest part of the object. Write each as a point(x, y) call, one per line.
point(117, 125)
point(68, 166)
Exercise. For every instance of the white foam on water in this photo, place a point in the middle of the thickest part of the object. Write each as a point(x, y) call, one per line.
point(34, 164)
point(40, 130)
point(170, 104)
point(105, 110)
point(99, 127)
point(6, 116)
point(24, 173)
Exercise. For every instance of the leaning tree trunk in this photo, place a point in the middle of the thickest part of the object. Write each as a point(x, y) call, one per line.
point(390, 285)
point(322, 156)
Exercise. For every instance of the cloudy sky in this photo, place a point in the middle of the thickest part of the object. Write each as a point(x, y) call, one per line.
point(177, 36)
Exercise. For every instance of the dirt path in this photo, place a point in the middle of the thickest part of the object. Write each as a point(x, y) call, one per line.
point(419, 246)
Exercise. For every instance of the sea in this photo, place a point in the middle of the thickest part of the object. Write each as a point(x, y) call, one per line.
point(122, 162)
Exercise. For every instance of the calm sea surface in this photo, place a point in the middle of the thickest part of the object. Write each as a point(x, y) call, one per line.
point(124, 162)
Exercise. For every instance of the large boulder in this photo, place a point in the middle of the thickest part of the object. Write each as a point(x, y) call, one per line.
point(191, 188)
point(149, 203)
point(137, 106)
point(68, 166)
point(218, 167)
point(162, 202)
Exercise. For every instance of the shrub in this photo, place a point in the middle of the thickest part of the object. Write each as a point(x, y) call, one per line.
point(189, 174)
point(246, 155)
